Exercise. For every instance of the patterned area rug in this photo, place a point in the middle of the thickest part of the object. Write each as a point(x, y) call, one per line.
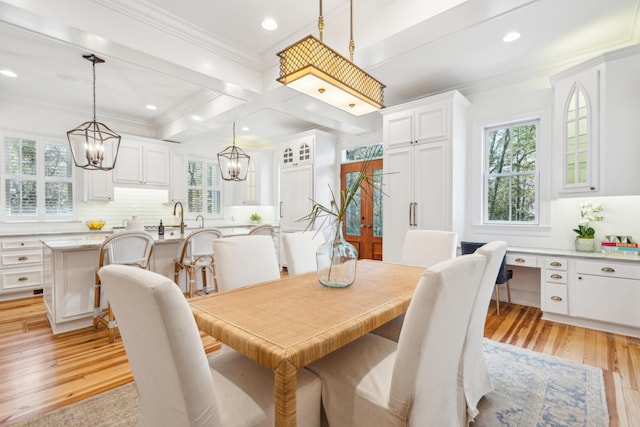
point(531, 389)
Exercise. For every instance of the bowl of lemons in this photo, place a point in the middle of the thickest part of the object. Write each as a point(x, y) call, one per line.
point(95, 224)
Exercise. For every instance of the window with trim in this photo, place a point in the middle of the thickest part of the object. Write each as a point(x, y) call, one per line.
point(204, 188)
point(37, 179)
point(511, 173)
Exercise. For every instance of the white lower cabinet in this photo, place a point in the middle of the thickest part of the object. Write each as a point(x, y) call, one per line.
point(554, 286)
point(20, 267)
point(607, 291)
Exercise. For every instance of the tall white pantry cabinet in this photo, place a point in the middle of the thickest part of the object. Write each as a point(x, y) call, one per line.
point(307, 173)
point(424, 168)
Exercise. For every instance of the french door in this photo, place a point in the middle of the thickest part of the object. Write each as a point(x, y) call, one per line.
point(363, 224)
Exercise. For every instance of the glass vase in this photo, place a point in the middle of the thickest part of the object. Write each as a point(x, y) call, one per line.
point(585, 245)
point(336, 260)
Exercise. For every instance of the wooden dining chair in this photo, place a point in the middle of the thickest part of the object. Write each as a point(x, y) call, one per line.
point(378, 382)
point(300, 250)
point(476, 381)
point(177, 383)
point(245, 260)
point(196, 254)
point(502, 278)
point(132, 248)
point(422, 248)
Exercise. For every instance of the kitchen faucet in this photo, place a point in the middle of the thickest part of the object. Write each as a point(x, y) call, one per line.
point(201, 217)
point(181, 216)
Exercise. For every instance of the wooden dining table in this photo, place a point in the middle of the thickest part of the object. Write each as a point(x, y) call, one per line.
point(286, 324)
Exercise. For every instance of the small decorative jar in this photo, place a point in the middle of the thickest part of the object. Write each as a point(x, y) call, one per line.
point(336, 260)
point(585, 244)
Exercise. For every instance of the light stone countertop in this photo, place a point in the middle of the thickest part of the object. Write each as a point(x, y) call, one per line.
point(572, 253)
point(95, 239)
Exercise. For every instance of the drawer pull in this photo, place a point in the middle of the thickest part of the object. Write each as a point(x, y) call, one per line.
point(556, 264)
point(556, 298)
point(556, 276)
point(519, 260)
point(608, 270)
point(22, 279)
point(23, 258)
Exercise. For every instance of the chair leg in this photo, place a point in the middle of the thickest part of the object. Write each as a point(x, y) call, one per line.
point(508, 292)
point(111, 326)
point(204, 280)
point(192, 281)
point(497, 300)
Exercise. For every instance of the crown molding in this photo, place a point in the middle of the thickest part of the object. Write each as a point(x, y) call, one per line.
point(153, 16)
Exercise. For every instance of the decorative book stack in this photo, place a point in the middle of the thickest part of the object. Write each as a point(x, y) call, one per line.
point(619, 245)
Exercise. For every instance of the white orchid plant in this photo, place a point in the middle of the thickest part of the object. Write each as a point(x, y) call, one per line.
point(589, 211)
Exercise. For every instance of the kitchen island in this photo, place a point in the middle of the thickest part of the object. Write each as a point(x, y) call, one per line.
point(69, 267)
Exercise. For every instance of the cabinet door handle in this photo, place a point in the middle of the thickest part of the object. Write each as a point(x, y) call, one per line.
point(556, 298)
point(556, 264)
point(519, 260)
point(280, 209)
point(23, 258)
point(22, 279)
point(556, 276)
point(608, 270)
point(415, 223)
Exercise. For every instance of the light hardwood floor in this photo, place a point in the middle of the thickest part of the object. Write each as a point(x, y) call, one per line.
point(40, 372)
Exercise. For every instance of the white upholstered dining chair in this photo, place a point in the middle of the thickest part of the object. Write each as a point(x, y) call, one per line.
point(422, 248)
point(178, 385)
point(300, 250)
point(133, 248)
point(245, 260)
point(475, 374)
point(378, 382)
point(196, 254)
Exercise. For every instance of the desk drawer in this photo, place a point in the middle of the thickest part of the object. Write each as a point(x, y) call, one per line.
point(555, 264)
point(556, 276)
point(522, 260)
point(555, 298)
point(609, 269)
point(17, 258)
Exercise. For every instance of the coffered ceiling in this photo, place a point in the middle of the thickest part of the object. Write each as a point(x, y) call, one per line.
point(207, 63)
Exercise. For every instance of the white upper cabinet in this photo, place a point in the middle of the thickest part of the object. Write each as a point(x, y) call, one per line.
point(142, 163)
point(596, 111)
point(297, 152)
point(421, 124)
point(178, 175)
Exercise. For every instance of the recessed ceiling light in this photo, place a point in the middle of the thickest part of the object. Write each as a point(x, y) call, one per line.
point(8, 73)
point(245, 128)
point(511, 37)
point(269, 24)
point(151, 107)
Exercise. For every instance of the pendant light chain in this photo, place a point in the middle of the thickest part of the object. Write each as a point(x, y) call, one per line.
point(320, 21)
point(94, 90)
point(352, 45)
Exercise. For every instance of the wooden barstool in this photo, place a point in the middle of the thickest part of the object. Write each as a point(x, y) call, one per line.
point(197, 254)
point(127, 248)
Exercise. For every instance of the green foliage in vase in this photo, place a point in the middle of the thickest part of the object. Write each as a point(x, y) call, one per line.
point(336, 210)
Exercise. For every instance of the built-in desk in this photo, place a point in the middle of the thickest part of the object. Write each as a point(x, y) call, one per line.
point(589, 289)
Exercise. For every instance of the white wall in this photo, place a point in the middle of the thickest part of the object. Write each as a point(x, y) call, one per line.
point(526, 99)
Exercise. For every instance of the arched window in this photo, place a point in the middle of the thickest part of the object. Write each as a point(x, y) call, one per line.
point(577, 140)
